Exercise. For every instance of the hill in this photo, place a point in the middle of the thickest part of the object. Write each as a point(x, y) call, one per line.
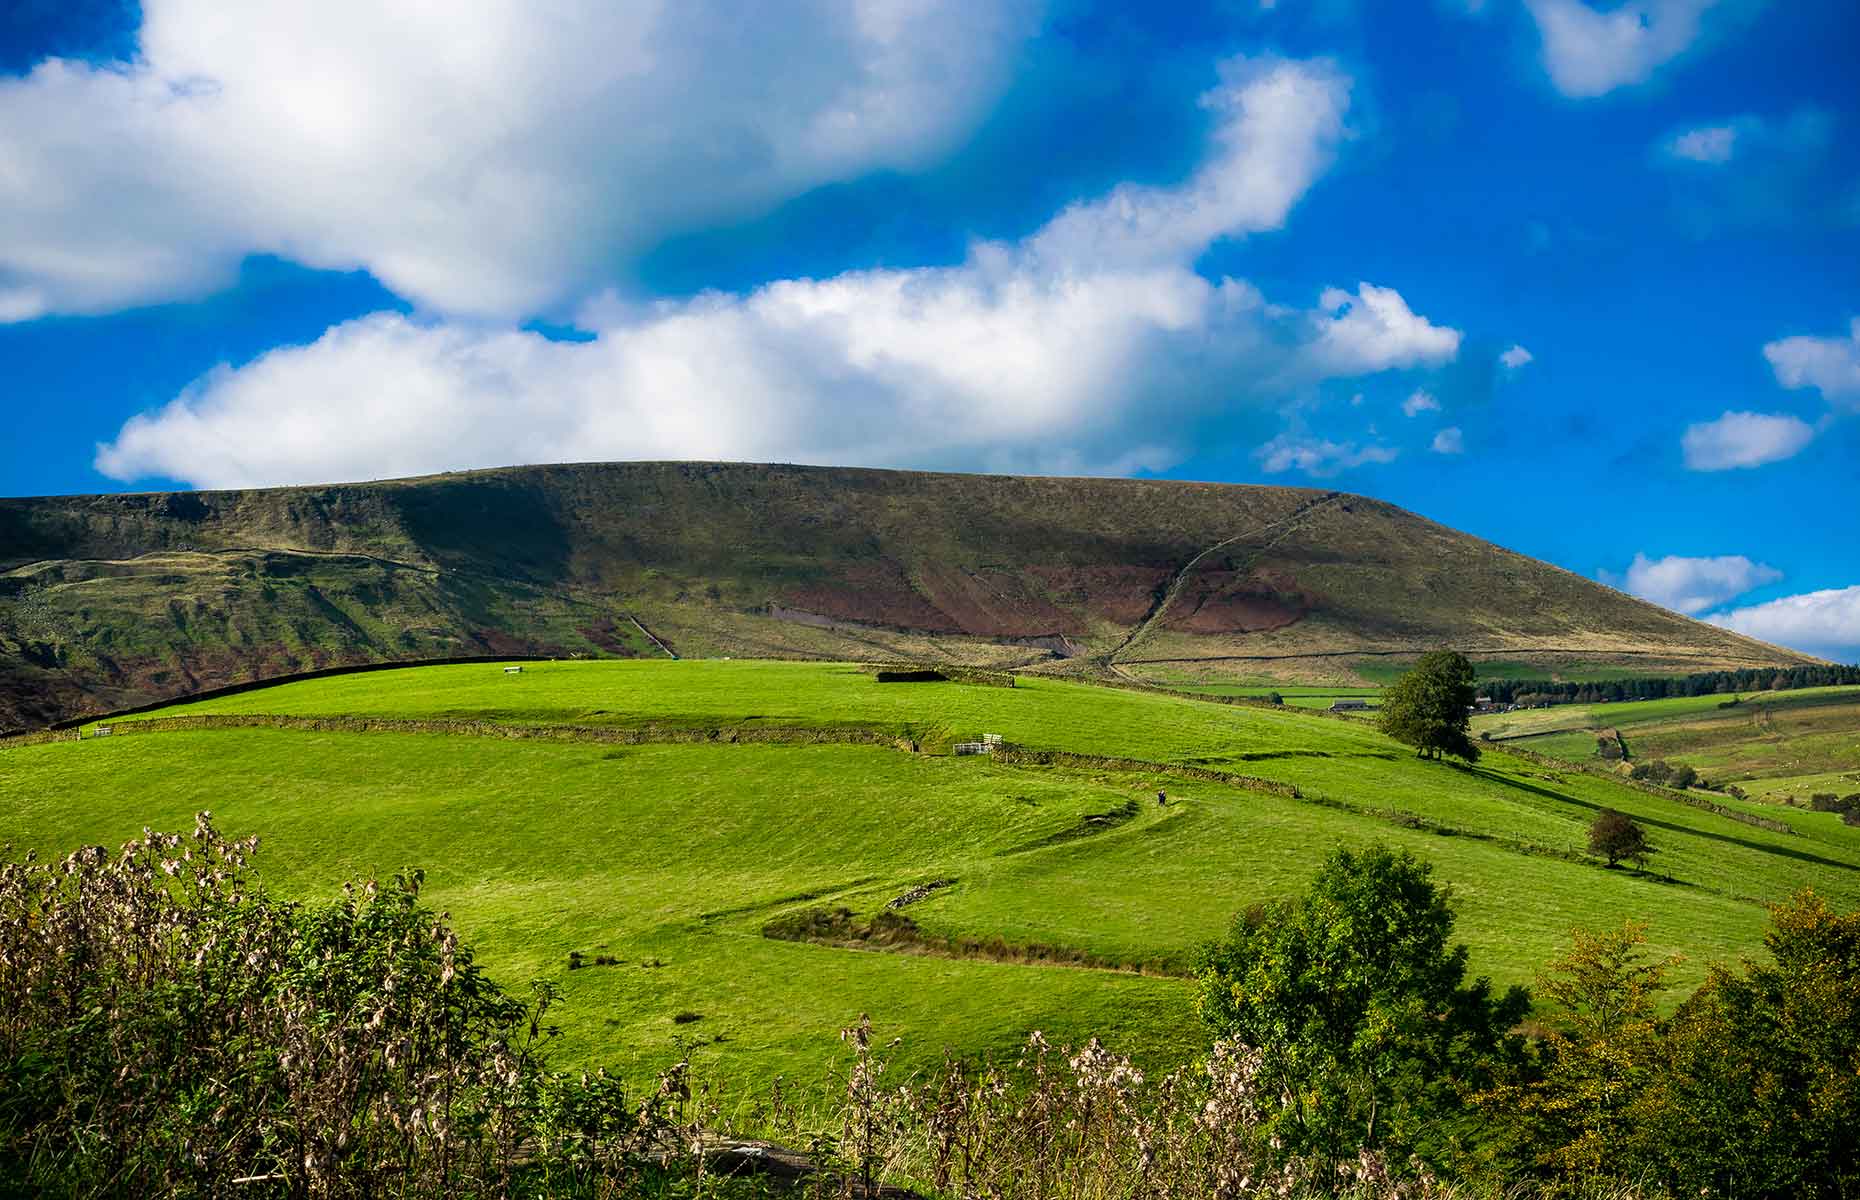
point(672, 843)
point(109, 602)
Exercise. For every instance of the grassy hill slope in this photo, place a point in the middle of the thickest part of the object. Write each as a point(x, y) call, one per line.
point(107, 602)
point(1780, 746)
point(674, 859)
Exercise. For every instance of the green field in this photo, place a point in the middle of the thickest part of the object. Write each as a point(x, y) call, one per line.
point(1783, 745)
point(671, 858)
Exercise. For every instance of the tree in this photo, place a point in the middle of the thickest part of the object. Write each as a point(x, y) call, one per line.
point(1359, 1008)
point(1657, 771)
point(1574, 1115)
point(1682, 777)
point(1761, 1077)
point(1274, 698)
point(1429, 708)
point(1615, 837)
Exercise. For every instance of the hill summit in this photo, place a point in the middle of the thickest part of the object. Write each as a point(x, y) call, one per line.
point(112, 601)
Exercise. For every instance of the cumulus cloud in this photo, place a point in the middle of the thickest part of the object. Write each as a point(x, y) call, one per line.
point(1316, 456)
point(1692, 585)
point(1831, 365)
point(1515, 357)
point(1744, 439)
point(1825, 622)
point(1449, 441)
point(483, 158)
point(1590, 52)
point(1374, 330)
point(1418, 402)
point(1091, 345)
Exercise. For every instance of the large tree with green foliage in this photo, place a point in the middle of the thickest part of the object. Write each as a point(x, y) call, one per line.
point(1359, 1008)
point(1429, 708)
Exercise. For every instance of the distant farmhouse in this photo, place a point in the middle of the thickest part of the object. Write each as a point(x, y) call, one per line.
point(1348, 705)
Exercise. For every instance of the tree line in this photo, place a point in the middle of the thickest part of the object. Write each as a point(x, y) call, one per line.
point(1704, 683)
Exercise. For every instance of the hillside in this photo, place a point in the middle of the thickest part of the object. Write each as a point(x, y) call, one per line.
point(108, 602)
point(679, 825)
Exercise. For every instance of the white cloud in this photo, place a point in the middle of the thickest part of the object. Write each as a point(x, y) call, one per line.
point(1418, 402)
point(1825, 623)
point(1317, 457)
point(483, 158)
point(1692, 585)
point(1713, 145)
point(1515, 357)
point(1091, 345)
point(1449, 441)
point(1831, 365)
point(1590, 52)
point(1374, 330)
point(1744, 439)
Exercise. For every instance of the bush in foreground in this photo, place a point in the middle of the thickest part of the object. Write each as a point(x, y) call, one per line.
point(1750, 1089)
point(1360, 1009)
point(168, 1029)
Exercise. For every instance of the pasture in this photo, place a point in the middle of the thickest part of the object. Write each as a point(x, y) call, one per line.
point(670, 860)
point(1781, 745)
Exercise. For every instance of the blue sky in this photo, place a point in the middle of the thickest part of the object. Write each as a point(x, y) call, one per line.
point(1583, 279)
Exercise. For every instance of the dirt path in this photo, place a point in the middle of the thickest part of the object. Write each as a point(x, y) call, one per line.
point(1179, 579)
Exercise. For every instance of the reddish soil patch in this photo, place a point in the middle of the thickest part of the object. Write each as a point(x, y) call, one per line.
point(605, 634)
point(871, 594)
point(1218, 599)
point(996, 603)
point(1121, 595)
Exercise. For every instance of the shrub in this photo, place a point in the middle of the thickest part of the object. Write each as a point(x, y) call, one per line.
point(1682, 777)
point(167, 1028)
point(1824, 802)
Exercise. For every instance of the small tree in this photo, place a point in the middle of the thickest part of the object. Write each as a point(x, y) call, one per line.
point(1359, 1007)
point(1574, 1115)
point(1761, 1075)
point(1615, 836)
point(1682, 777)
point(1274, 698)
point(1430, 708)
point(1658, 771)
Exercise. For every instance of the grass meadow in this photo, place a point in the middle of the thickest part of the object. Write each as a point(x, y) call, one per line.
point(669, 859)
point(1783, 745)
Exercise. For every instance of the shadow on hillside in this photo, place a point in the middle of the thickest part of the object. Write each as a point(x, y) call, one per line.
point(1786, 852)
